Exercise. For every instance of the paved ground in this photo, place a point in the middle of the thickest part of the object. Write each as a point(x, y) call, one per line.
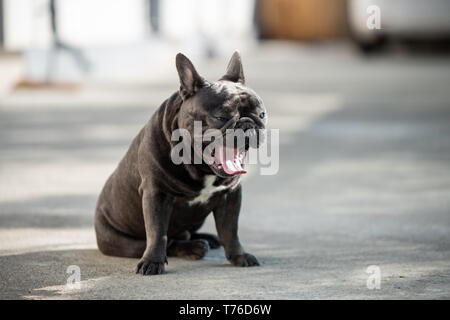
point(364, 179)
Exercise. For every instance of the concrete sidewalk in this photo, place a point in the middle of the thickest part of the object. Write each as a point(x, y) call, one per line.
point(364, 179)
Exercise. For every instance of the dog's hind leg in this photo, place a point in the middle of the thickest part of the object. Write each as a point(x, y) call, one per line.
point(112, 242)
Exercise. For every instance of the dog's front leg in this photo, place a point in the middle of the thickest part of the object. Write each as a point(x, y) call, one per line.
point(226, 216)
point(157, 208)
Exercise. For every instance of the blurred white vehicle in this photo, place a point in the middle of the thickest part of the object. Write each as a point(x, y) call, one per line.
point(400, 19)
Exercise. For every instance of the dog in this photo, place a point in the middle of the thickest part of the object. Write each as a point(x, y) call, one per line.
point(151, 208)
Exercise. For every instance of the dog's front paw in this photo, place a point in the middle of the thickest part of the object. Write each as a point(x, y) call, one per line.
point(147, 267)
point(244, 260)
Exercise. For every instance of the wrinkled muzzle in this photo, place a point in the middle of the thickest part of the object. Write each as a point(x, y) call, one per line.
point(252, 137)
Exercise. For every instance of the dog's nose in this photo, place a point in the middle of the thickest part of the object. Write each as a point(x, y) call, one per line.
point(249, 127)
point(245, 123)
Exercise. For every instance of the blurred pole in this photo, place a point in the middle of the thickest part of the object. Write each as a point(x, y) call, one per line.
point(53, 21)
point(154, 15)
point(1, 25)
point(59, 45)
point(257, 24)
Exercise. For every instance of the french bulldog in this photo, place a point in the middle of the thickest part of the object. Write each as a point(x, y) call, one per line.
point(151, 207)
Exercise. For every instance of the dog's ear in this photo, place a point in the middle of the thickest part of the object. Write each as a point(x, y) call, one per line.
point(190, 80)
point(235, 72)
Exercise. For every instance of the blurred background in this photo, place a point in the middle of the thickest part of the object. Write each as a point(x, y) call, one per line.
point(360, 90)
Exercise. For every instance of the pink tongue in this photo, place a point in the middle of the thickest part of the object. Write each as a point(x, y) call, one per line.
point(230, 166)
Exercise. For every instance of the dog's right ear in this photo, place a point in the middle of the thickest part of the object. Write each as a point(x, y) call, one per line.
point(235, 72)
point(190, 80)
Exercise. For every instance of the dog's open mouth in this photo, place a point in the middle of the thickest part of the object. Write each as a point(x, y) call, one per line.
point(229, 160)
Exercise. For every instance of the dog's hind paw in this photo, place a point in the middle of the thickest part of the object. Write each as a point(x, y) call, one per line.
point(212, 239)
point(190, 249)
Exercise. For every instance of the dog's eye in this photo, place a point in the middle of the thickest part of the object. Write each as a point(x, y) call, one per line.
point(262, 115)
point(221, 119)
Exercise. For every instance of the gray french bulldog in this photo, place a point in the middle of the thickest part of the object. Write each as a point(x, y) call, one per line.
point(150, 207)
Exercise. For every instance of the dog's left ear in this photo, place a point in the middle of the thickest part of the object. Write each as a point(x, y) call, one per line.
point(190, 80)
point(235, 72)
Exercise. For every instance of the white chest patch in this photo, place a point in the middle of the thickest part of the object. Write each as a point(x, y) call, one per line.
point(207, 190)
